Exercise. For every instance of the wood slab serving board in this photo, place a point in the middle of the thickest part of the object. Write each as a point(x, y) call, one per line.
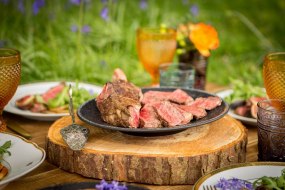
point(179, 158)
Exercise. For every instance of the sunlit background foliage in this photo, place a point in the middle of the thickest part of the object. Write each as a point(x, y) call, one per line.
point(86, 39)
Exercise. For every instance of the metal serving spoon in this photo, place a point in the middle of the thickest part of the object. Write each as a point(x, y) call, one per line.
point(74, 135)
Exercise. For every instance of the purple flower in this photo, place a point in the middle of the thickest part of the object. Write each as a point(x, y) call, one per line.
point(184, 2)
point(113, 185)
point(194, 9)
point(105, 13)
point(37, 5)
point(21, 6)
point(3, 43)
point(104, 1)
point(75, 2)
point(5, 2)
point(103, 63)
point(233, 184)
point(86, 29)
point(143, 4)
point(74, 28)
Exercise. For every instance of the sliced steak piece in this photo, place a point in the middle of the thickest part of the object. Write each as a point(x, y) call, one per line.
point(154, 96)
point(168, 114)
point(252, 102)
point(208, 103)
point(25, 102)
point(188, 116)
point(149, 118)
point(179, 96)
point(243, 110)
point(53, 92)
point(38, 108)
point(196, 111)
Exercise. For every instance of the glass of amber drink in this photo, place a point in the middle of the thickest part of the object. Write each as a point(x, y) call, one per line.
point(274, 75)
point(155, 46)
point(10, 74)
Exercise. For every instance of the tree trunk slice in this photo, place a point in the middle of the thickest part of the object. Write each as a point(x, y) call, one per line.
point(180, 158)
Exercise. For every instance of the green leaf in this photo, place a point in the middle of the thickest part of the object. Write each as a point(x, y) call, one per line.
point(4, 147)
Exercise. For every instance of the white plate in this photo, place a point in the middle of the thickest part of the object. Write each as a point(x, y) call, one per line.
point(245, 120)
point(245, 171)
point(25, 157)
point(38, 88)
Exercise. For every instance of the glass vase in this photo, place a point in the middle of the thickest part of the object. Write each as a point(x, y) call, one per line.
point(199, 63)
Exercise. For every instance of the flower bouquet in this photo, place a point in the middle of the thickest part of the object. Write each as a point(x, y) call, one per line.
point(194, 42)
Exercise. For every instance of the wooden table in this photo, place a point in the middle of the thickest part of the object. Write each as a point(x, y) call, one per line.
point(47, 174)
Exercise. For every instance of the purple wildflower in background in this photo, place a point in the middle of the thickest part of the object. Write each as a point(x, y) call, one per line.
point(75, 2)
point(21, 6)
point(74, 28)
point(86, 29)
point(184, 2)
point(194, 9)
point(103, 63)
point(105, 13)
point(5, 2)
point(143, 4)
point(2, 43)
point(37, 5)
point(104, 1)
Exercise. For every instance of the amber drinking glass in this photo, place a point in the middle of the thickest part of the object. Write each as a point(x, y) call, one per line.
point(10, 74)
point(274, 75)
point(155, 46)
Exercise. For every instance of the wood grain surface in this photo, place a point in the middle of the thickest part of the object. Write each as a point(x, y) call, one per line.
point(180, 158)
point(48, 174)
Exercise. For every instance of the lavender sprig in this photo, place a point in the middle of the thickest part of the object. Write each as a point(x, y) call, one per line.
point(114, 185)
point(234, 184)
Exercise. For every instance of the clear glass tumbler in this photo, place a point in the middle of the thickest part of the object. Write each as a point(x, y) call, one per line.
point(178, 75)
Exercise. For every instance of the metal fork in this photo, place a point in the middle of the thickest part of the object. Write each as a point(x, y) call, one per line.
point(209, 187)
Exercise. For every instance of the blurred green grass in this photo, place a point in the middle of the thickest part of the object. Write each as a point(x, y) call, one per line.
point(51, 51)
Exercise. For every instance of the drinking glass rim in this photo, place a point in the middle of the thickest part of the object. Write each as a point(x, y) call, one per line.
point(188, 66)
point(269, 56)
point(271, 100)
point(155, 31)
point(15, 53)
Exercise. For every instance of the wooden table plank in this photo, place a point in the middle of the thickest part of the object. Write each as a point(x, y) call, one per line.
point(47, 174)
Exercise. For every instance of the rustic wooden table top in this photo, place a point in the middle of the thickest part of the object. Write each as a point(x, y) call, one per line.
point(47, 174)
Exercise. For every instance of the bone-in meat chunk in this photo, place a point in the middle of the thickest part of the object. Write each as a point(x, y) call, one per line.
point(119, 103)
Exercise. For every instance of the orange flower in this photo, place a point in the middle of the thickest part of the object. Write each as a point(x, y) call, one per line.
point(204, 37)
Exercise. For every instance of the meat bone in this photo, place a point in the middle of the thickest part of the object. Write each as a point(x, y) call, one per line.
point(74, 135)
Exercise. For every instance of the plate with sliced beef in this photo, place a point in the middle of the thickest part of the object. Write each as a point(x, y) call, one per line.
point(32, 100)
point(242, 110)
point(151, 111)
